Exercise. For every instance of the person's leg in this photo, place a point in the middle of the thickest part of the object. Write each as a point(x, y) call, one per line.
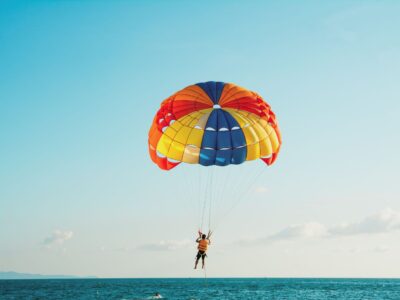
point(197, 260)
point(202, 261)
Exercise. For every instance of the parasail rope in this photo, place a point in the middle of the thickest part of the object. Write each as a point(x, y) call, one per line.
point(199, 198)
point(241, 196)
point(206, 197)
point(205, 276)
point(222, 191)
point(204, 206)
point(211, 199)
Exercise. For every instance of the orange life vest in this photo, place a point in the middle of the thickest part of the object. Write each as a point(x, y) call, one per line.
point(203, 245)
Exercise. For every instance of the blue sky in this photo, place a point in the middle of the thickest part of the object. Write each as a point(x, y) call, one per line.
point(80, 82)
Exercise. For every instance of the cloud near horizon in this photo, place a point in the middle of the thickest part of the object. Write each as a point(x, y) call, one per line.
point(387, 220)
point(58, 237)
point(260, 190)
point(306, 230)
point(169, 245)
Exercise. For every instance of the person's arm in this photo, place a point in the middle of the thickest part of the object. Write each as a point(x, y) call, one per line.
point(208, 236)
point(199, 238)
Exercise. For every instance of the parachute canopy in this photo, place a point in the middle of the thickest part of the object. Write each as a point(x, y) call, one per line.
point(213, 123)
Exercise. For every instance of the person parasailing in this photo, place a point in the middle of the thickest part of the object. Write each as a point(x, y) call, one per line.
point(213, 124)
point(203, 241)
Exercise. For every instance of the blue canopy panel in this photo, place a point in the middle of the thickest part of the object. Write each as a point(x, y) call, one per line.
point(223, 141)
point(213, 89)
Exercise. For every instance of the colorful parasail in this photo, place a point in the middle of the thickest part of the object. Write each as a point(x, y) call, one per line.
point(213, 123)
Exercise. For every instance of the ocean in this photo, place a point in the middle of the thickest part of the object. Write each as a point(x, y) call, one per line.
point(211, 288)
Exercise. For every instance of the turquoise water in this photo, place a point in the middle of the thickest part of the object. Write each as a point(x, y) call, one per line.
point(247, 288)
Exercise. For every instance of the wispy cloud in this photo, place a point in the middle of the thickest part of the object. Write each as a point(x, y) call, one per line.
point(387, 220)
point(261, 190)
point(306, 230)
point(58, 237)
point(381, 248)
point(165, 245)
